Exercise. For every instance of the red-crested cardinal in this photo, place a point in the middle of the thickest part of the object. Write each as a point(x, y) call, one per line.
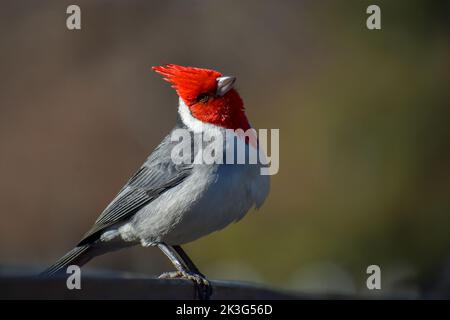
point(168, 204)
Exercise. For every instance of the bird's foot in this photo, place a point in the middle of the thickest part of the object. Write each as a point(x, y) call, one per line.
point(202, 285)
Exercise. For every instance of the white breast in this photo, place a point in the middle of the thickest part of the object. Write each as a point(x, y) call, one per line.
point(210, 199)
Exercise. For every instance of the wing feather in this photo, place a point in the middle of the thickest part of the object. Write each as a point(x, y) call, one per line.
point(157, 175)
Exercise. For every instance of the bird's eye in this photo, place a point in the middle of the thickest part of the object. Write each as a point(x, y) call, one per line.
point(203, 98)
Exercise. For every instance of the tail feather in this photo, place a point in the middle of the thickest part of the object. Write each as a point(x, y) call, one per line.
point(77, 256)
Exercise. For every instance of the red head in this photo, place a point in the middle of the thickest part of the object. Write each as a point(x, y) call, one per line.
point(209, 96)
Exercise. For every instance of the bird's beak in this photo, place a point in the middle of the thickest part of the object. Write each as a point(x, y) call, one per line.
point(224, 84)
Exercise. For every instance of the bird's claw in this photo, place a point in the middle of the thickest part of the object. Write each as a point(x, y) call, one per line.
point(202, 285)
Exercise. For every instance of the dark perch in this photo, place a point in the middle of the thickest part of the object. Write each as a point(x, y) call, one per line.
point(117, 286)
point(21, 283)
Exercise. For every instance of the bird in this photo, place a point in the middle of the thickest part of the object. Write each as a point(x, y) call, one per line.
point(166, 203)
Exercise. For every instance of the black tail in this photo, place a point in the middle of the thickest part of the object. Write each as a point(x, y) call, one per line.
point(77, 256)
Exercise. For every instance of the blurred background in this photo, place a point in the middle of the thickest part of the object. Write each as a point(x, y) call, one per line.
point(364, 133)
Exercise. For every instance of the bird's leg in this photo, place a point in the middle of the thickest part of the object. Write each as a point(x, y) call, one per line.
point(173, 257)
point(185, 270)
point(183, 255)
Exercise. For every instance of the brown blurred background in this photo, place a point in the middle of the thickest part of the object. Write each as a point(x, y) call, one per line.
point(363, 115)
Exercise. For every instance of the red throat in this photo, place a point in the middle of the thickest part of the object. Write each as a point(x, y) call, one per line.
point(197, 87)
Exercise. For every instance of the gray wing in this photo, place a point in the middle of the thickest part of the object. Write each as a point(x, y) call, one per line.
point(157, 175)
